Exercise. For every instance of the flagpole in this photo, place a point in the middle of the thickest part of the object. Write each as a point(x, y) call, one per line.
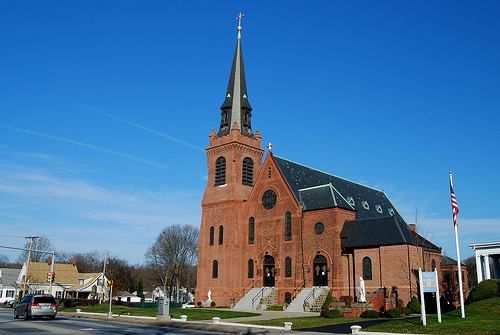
point(462, 307)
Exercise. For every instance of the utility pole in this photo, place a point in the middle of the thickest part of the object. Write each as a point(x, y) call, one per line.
point(31, 240)
point(103, 278)
point(52, 271)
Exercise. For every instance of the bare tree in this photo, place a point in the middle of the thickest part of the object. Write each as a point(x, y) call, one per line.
point(4, 260)
point(172, 252)
point(40, 243)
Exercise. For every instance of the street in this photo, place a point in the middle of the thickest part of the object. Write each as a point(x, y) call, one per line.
point(64, 325)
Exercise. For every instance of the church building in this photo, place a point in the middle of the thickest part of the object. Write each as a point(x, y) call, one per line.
point(275, 231)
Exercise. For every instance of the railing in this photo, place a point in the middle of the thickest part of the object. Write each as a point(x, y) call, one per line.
point(299, 288)
point(242, 292)
point(261, 294)
point(309, 296)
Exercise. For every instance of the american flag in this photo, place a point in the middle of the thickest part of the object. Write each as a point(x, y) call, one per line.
point(454, 204)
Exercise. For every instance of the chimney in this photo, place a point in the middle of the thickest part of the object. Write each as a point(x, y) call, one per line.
point(413, 228)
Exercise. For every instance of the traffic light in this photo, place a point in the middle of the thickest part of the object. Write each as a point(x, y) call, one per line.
point(53, 277)
point(49, 276)
point(110, 282)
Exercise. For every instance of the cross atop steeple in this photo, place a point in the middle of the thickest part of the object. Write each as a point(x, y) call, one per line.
point(240, 18)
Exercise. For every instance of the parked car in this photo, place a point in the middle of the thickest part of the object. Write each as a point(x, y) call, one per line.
point(9, 302)
point(36, 305)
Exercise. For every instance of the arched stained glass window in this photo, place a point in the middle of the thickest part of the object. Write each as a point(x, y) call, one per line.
point(220, 171)
point(250, 268)
point(288, 267)
point(221, 235)
point(212, 232)
point(288, 226)
point(251, 230)
point(215, 269)
point(247, 173)
point(367, 268)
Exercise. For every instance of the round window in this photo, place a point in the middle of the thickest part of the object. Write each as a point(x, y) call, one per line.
point(269, 199)
point(319, 228)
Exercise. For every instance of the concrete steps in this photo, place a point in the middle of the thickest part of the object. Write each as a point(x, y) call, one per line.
point(309, 299)
point(257, 298)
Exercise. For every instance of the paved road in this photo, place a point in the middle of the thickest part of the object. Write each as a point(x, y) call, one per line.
point(62, 325)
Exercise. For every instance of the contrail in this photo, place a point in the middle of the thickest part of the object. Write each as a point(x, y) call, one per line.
point(139, 126)
point(86, 145)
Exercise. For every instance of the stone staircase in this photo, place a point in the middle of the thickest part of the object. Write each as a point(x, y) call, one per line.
point(257, 298)
point(309, 299)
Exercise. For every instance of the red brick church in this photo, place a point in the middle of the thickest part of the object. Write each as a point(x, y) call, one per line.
point(275, 231)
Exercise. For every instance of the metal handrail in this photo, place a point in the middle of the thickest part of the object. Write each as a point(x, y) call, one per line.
point(309, 295)
point(299, 288)
point(233, 300)
point(261, 292)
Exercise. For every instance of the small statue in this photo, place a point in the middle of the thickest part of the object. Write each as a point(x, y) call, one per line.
point(362, 290)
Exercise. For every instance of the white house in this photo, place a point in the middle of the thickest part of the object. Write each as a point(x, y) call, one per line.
point(125, 296)
point(8, 286)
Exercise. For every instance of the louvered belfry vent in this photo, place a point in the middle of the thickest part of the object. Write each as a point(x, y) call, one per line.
point(220, 171)
point(247, 176)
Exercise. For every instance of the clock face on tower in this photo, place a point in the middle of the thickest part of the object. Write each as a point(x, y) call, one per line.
point(269, 199)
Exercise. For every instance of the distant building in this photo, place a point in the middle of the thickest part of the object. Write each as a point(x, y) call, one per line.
point(67, 281)
point(8, 287)
point(275, 231)
point(487, 260)
point(449, 279)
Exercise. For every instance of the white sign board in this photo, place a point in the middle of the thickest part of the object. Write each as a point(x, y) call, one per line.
point(429, 284)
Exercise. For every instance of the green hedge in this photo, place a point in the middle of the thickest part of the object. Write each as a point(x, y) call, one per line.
point(484, 290)
point(394, 313)
point(370, 314)
point(327, 303)
point(332, 313)
point(414, 305)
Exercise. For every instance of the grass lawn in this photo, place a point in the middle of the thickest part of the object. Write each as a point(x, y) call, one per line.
point(306, 322)
point(482, 317)
point(192, 313)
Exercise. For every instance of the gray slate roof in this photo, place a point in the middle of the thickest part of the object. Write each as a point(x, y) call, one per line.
point(9, 276)
point(449, 261)
point(301, 177)
point(377, 224)
point(375, 232)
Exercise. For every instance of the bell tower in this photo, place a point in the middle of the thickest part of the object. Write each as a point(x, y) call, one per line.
point(234, 158)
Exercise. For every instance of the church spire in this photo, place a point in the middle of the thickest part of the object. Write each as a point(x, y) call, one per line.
point(236, 109)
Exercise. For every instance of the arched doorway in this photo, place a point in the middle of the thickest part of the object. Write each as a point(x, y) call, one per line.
point(269, 271)
point(320, 271)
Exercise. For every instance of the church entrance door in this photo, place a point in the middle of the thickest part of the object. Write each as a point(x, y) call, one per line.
point(269, 271)
point(320, 271)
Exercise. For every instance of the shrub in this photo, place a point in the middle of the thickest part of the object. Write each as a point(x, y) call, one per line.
point(414, 305)
point(405, 311)
point(371, 314)
point(332, 313)
point(399, 303)
point(325, 305)
point(212, 304)
point(198, 303)
point(393, 313)
point(275, 308)
point(484, 290)
point(67, 303)
point(347, 299)
point(86, 302)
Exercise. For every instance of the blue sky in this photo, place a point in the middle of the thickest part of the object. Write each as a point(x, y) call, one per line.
point(106, 108)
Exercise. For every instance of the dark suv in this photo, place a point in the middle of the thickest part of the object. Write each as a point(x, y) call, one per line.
point(36, 305)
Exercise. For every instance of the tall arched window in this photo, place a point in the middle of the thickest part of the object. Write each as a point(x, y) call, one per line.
point(288, 226)
point(250, 268)
point(433, 263)
point(215, 269)
point(251, 230)
point(220, 171)
point(212, 232)
point(247, 175)
point(288, 267)
point(367, 268)
point(221, 235)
